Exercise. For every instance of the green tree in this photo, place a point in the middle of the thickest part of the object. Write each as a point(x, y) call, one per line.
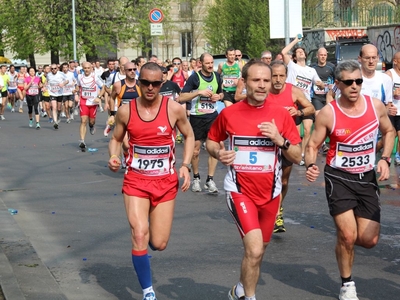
point(242, 24)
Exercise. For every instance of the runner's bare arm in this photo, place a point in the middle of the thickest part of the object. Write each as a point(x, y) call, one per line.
point(299, 98)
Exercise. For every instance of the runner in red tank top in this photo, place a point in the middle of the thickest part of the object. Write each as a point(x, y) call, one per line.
point(286, 95)
point(351, 122)
point(151, 182)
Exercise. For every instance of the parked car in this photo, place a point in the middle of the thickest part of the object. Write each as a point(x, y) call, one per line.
point(219, 58)
point(344, 49)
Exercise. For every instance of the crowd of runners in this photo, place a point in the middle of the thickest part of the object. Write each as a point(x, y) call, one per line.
point(278, 112)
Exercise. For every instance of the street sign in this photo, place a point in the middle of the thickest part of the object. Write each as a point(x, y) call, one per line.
point(156, 15)
point(156, 29)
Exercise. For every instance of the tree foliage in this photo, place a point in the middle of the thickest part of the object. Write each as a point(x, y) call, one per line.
point(39, 26)
point(242, 24)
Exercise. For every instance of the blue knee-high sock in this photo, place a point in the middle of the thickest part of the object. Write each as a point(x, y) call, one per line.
point(141, 263)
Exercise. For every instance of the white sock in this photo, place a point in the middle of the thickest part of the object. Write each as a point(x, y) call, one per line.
point(148, 290)
point(239, 291)
point(250, 298)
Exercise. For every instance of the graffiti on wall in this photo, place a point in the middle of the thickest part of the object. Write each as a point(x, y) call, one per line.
point(313, 40)
point(334, 34)
point(388, 42)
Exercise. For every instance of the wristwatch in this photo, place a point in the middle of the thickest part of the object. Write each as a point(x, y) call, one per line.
point(286, 144)
point(387, 159)
point(186, 166)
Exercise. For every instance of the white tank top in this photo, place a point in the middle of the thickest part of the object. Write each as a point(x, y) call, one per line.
point(396, 84)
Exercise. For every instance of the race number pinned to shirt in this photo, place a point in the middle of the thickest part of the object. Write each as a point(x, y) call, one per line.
point(151, 160)
point(55, 88)
point(89, 93)
point(229, 81)
point(33, 90)
point(355, 158)
point(253, 154)
point(206, 105)
point(303, 83)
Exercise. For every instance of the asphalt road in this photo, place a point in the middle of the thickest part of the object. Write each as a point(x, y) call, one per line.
point(70, 238)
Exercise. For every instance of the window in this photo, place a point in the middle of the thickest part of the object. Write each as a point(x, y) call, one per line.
point(186, 44)
point(185, 9)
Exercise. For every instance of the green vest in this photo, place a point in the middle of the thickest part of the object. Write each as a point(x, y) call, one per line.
point(203, 105)
point(229, 73)
point(6, 78)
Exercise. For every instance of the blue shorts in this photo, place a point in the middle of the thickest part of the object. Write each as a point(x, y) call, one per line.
point(12, 91)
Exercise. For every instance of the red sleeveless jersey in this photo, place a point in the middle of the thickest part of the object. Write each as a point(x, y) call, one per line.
point(284, 99)
point(179, 80)
point(151, 143)
point(353, 139)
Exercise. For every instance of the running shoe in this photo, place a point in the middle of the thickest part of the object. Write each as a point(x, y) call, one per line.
point(55, 125)
point(101, 109)
point(107, 130)
point(348, 291)
point(44, 114)
point(68, 121)
point(232, 294)
point(325, 148)
point(12, 110)
point(76, 111)
point(37, 125)
point(196, 186)
point(2, 118)
point(50, 120)
point(301, 163)
point(30, 123)
point(21, 110)
point(150, 296)
point(9, 106)
point(82, 145)
point(62, 114)
point(279, 223)
point(92, 130)
point(397, 159)
point(210, 186)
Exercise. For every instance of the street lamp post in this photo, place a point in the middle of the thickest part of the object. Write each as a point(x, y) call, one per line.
point(73, 28)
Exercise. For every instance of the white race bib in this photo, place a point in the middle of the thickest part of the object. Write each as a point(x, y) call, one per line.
point(253, 154)
point(151, 160)
point(355, 158)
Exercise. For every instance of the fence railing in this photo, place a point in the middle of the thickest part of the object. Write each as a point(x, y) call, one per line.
point(350, 17)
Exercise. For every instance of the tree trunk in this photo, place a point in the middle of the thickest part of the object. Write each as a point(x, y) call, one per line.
point(54, 56)
point(32, 61)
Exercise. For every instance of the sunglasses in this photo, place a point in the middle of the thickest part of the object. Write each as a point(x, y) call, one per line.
point(350, 82)
point(177, 63)
point(238, 55)
point(54, 68)
point(130, 70)
point(155, 84)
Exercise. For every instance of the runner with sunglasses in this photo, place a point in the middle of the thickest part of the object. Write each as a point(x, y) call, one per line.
point(351, 123)
point(151, 181)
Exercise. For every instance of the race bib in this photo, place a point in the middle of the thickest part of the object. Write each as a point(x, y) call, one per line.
point(151, 160)
point(229, 81)
point(33, 90)
point(303, 83)
point(396, 86)
point(89, 93)
point(355, 158)
point(206, 105)
point(54, 88)
point(253, 154)
point(319, 91)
